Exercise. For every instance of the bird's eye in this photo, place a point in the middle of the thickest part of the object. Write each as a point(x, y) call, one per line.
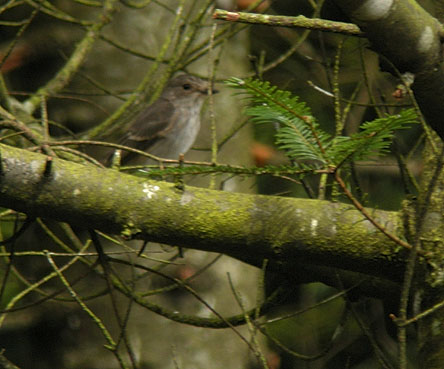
point(186, 86)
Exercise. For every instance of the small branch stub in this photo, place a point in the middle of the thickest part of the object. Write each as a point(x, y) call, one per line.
point(48, 166)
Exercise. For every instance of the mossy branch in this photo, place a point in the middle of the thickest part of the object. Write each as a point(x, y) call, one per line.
point(250, 228)
point(299, 21)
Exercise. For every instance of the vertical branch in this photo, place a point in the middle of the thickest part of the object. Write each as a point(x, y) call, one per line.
point(411, 263)
point(336, 92)
point(212, 65)
point(107, 274)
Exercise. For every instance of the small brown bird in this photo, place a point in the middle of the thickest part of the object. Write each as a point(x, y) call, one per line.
point(169, 126)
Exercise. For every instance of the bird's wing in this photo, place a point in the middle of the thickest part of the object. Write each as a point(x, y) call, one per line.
point(152, 123)
point(149, 127)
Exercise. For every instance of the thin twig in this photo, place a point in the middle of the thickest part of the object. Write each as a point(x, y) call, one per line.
point(285, 21)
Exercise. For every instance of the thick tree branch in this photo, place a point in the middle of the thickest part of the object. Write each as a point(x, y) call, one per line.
point(250, 228)
point(411, 39)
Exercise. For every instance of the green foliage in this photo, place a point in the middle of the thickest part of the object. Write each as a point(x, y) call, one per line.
point(299, 135)
point(374, 139)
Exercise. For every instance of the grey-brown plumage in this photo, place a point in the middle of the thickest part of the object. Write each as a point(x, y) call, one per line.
point(169, 126)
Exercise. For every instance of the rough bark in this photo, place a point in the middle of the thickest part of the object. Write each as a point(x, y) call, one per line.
point(411, 39)
point(248, 227)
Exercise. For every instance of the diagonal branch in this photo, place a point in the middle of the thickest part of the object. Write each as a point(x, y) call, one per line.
point(299, 21)
point(65, 74)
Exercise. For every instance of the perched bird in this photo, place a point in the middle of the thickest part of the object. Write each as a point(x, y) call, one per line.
point(169, 126)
